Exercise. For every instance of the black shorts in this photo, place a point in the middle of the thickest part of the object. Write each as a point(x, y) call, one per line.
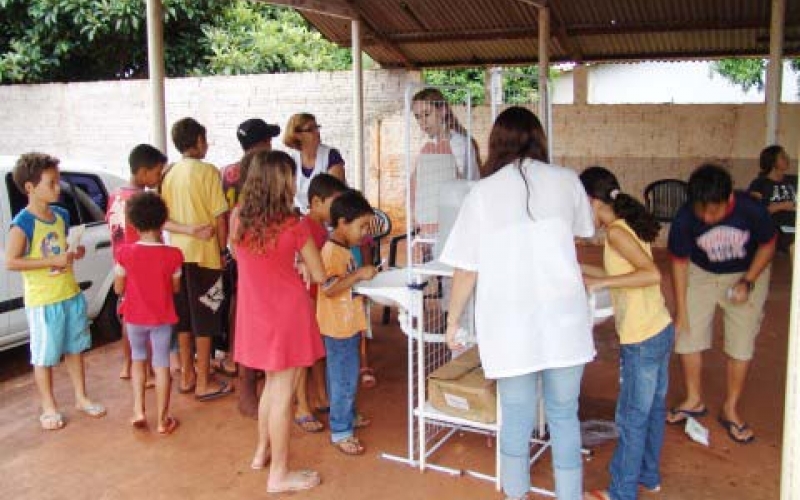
point(199, 303)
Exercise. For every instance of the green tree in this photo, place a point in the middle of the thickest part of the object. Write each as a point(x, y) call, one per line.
point(747, 73)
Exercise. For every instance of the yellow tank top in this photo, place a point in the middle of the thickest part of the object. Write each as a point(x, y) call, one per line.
point(640, 312)
point(45, 238)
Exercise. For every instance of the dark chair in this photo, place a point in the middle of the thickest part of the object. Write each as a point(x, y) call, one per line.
point(665, 197)
point(379, 228)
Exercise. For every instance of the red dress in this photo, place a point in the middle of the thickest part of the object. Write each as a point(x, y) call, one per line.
point(276, 325)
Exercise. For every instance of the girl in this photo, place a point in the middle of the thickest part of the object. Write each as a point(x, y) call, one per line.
point(645, 330)
point(310, 155)
point(149, 272)
point(275, 321)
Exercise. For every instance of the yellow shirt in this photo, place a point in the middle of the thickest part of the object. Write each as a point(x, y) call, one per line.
point(46, 238)
point(192, 190)
point(342, 315)
point(640, 312)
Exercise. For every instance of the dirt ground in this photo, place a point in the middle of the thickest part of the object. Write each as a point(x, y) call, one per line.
point(208, 457)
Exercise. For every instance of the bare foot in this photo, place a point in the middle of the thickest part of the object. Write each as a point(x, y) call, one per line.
point(260, 459)
point(125, 371)
point(294, 481)
point(248, 406)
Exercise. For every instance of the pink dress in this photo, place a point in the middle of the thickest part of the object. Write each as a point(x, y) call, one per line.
point(276, 326)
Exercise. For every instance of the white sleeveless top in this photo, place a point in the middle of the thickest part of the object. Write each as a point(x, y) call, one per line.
point(302, 182)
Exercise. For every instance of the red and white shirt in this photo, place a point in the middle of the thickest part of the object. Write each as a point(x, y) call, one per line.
point(121, 231)
point(148, 269)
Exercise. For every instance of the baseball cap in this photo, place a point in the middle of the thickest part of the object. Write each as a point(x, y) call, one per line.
point(255, 130)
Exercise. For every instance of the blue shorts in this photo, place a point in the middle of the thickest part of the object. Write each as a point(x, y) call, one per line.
point(58, 329)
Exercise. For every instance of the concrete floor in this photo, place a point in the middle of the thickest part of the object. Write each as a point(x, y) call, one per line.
point(208, 457)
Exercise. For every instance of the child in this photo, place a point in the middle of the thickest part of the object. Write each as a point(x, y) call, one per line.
point(275, 327)
point(149, 272)
point(645, 330)
point(324, 188)
point(54, 305)
point(146, 164)
point(342, 317)
point(192, 190)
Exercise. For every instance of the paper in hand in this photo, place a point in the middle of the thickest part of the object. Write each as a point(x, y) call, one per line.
point(74, 237)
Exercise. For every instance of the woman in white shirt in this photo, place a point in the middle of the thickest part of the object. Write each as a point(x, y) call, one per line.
point(312, 158)
point(513, 243)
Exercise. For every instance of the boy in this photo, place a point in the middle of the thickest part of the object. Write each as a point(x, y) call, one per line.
point(324, 188)
point(54, 305)
point(146, 165)
point(342, 317)
point(722, 244)
point(192, 190)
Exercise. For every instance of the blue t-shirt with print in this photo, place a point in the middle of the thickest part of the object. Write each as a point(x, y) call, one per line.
point(727, 246)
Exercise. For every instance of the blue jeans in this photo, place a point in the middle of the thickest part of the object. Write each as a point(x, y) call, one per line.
point(519, 403)
point(342, 367)
point(641, 412)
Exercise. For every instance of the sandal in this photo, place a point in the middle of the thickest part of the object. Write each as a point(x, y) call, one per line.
point(368, 380)
point(733, 428)
point(677, 416)
point(94, 410)
point(139, 423)
point(52, 421)
point(309, 423)
point(225, 388)
point(220, 366)
point(350, 446)
point(361, 421)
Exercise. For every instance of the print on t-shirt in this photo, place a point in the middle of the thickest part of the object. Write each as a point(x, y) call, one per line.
point(724, 243)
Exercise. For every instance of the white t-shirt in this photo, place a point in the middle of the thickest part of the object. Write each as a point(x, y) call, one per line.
point(466, 168)
point(531, 306)
point(301, 201)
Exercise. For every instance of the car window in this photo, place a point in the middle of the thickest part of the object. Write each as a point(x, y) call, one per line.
point(91, 185)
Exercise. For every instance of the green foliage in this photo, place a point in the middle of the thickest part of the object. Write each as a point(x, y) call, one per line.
point(520, 84)
point(78, 40)
point(746, 73)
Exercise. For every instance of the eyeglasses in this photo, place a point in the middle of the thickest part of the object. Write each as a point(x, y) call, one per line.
point(310, 128)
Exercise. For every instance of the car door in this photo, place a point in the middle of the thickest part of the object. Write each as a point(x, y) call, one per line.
point(13, 324)
point(85, 197)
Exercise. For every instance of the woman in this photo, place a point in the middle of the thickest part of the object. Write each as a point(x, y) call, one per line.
point(275, 321)
point(311, 156)
point(777, 191)
point(514, 238)
point(645, 333)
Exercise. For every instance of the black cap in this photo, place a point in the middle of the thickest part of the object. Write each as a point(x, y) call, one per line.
point(255, 130)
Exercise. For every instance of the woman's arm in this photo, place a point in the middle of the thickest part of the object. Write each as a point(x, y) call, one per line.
point(337, 171)
point(463, 285)
point(645, 271)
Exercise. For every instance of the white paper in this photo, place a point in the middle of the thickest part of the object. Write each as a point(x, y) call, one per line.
point(74, 237)
point(696, 431)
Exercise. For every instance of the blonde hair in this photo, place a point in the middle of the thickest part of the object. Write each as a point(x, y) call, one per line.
point(298, 121)
point(267, 202)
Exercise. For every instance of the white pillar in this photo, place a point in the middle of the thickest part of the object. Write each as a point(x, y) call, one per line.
point(155, 61)
point(358, 106)
point(790, 462)
point(775, 70)
point(580, 85)
point(544, 71)
point(496, 90)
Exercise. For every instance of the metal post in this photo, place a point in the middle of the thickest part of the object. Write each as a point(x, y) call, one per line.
point(358, 105)
point(775, 70)
point(544, 70)
point(496, 90)
point(155, 60)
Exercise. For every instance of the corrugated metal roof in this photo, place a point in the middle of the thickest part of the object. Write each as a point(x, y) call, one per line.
point(426, 33)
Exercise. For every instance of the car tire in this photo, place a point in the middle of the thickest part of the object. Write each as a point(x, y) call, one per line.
point(107, 327)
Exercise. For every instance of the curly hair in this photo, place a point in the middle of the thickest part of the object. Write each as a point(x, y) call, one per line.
point(29, 168)
point(146, 211)
point(602, 185)
point(267, 202)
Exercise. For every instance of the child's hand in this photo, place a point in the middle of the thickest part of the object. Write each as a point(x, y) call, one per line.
point(80, 252)
point(367, 272)
point(204, 232)
point(62, 261)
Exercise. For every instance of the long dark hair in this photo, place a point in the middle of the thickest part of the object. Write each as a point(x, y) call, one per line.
point(516, 135)
point(602, 185)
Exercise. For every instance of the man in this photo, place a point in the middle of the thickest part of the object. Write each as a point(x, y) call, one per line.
point(722, 244)
point(254, 135)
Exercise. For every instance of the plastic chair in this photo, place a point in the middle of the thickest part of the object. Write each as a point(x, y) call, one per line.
point(663, 198)
point(379, 228)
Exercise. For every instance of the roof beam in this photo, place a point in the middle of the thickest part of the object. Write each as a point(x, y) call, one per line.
point(335, 8)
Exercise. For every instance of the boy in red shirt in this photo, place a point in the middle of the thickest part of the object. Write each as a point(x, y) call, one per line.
point(149, 272)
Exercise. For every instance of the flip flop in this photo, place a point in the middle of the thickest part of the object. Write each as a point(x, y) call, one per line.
point(685, 414)
point(188, 390)
point(350, 446)
point(225, 388)
point(172, 423)
point(310, 480)
point(368, 380)
point(730, 426)
point(52, 421)
point(94, 410)
point(220, 368)
point(309, 423)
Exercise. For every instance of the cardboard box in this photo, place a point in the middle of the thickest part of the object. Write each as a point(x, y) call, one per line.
point(460, 389)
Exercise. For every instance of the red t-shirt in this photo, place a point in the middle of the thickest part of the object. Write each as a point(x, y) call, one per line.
point(121, 231)
point(148, 269)
point(319, 234)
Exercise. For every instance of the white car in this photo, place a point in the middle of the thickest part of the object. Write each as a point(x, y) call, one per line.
point(84, 194)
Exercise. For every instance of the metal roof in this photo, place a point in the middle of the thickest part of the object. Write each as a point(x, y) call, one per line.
point(442, 33)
